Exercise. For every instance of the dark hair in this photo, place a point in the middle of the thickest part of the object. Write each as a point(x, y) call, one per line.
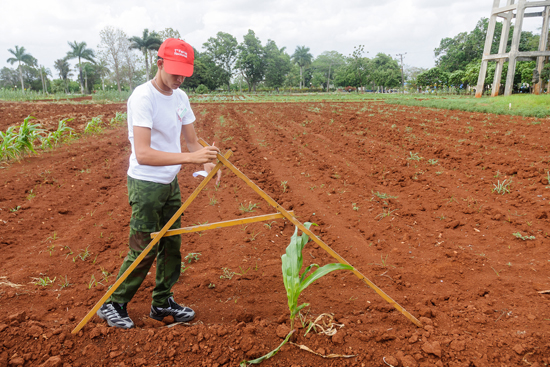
point(159, 58)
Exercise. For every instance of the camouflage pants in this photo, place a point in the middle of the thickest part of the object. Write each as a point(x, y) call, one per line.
point(153, 205)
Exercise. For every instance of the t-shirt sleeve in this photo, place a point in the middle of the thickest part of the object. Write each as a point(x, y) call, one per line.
point(140, 110)
point(189, 116)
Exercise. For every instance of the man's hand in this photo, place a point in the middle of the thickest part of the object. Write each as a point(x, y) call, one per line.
point(209, 167)
point(204, 155)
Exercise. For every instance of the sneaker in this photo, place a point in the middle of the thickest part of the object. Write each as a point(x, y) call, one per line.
point(116, 315)
point(180, 314)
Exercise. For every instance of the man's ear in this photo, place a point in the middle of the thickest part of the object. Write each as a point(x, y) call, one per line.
point(160, 64)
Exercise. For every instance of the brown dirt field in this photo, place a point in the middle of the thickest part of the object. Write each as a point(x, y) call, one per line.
point(442, 245)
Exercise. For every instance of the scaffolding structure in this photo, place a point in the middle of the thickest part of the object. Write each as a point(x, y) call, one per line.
point(508, 12)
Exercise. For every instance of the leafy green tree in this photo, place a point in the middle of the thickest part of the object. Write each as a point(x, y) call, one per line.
point(358, 65)
point(278, 65)
point(303, 58)
point(64, 70)
point(8, 77)
point(80, 51)
point(205, 72)
point(435, 77)
point(146, 43)
point(251, 60)
point(326, 64)
point(44, 72)
point(222, 50)
point(385, 71)
point(20, 56)
point(169, 33)
point(456, 78)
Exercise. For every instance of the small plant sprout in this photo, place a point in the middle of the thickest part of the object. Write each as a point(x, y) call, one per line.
point(385, 213)
point(520, 236)
point(14, 209)
point(269, 225)
point(354, 206)
point(64, 283)
point(46, 281)
point(295, 282)
point(502, 188)
point(82, 255)
point(213, 200)
point(414, 157)
point(383, 196)
point(284, 185)
point(31, 195)
point(248, 209)
point(227, 274)
point(433, 162)
point(243, 272)
point(51, 249)
point(92, 282)
point(192, 256)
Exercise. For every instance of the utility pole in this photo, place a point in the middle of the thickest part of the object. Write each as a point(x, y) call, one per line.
point(402, 78)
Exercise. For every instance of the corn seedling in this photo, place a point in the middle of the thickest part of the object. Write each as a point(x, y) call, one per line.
point(64, 283)
point(292, 264)
point(94, 126)
point(243, 272)
point(119, 119)
point(51, 249)
point(249, 208)
point(43, 281)
point(433, 162)
point(253, 236)
point(385, 213)
point(92, 282)
point(284, 185)
point(82, 255)
point(354, 206)
point(269, 225)
point(13, 210)
point(414, 157)
point(502, 188)
point(213, 200)
point(227, 273)
point(383, 196)
point(31, 195)
point(525, 238)
point(192, 256)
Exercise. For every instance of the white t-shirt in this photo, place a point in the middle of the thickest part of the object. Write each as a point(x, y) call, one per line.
point(164, 115)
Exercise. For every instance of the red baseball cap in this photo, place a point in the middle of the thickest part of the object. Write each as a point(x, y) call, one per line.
point(178, 55)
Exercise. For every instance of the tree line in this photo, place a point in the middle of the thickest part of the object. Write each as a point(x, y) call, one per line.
point(121, 62)
point(458, 59)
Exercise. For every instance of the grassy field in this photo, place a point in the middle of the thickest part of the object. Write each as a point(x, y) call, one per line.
point(517, 104)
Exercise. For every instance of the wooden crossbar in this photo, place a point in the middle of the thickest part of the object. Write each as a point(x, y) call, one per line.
point(224, 224)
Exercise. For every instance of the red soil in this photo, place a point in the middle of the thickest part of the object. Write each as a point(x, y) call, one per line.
point(442, 246)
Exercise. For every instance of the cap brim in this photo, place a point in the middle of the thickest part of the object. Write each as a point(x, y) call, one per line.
point(178, 68)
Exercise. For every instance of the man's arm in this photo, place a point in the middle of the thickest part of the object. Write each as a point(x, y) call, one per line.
point(148, 156)
point(193, 145)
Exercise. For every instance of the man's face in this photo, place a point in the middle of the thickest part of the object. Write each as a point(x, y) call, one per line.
point(170, 80)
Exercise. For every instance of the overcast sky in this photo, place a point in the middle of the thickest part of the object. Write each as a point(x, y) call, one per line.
point(389, 26)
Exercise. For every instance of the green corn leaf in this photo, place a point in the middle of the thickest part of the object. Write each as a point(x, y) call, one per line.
point(322, 272)
point(268, 355)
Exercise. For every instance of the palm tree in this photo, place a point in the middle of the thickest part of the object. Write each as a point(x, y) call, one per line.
point(21, 57)
point(79, 51)
point(303, 58)
point(62, 67)
point(149, 41)
point(102, 69)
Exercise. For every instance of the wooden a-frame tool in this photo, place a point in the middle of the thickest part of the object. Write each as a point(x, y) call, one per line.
point(281, 213)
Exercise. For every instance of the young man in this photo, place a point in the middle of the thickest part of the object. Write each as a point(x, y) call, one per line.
point(158, 114)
